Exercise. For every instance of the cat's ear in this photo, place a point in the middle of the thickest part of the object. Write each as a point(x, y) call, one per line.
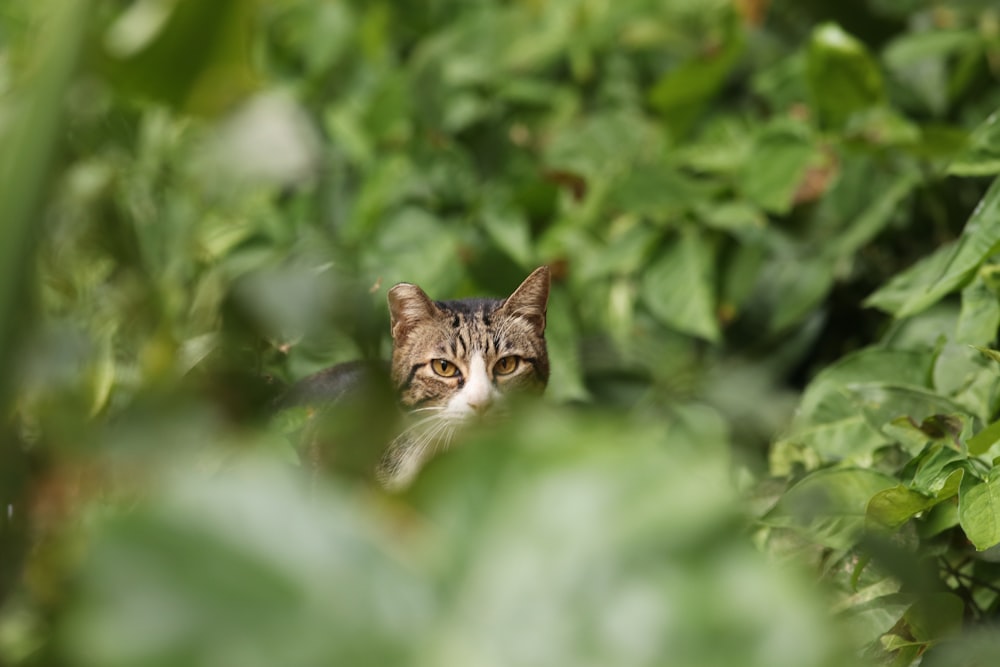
point(408, 305)
point(531, 298)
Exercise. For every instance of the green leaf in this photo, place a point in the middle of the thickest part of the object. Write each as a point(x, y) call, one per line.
point(981, 442)
point(843, 77)
point(979, 511)
point(919, 60)
point(781, 155)
point(660, 192)
point(935, 616)
point(678, 286)
point(828, 507)
point(508, 229)
point(895, 506)
point(682, 93)
point(981, 156)
point(980, 316)
point(951, 267)
point(196, 57)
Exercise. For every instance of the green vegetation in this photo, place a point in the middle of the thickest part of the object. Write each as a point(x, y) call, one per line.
point(770, 434)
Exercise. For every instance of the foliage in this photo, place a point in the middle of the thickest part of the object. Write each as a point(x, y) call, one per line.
point(748, 206)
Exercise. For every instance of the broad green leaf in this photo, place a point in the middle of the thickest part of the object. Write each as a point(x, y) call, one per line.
point(980, 316)
point(895, 506)
point(937, 471)
point(30, 135)
point(604, 144)
point(678, 286)
point(780, 156)
point(249, 564)
point(795, 285)
point(919, 60)
point(509, 231)
point(660, 192)
point(981, 156)
point(935, 617)
point(843, 77)
point(683, 92)
point(874, 217)
point(979, 511)
point(948, 269)
point(195, 56)
point(566, 382)
point(828, 507)
point(851, 438)
point(981, 442)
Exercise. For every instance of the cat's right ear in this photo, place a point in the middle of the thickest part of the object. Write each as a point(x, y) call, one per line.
point(408, 305)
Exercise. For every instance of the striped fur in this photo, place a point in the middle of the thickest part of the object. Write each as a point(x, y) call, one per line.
point(454, 360)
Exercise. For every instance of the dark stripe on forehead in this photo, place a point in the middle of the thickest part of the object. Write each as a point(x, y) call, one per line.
point(470, 307)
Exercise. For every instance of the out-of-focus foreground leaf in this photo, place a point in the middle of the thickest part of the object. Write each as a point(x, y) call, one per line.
point(559, 550)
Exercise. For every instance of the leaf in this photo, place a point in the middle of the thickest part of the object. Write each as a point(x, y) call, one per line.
point(935, 616)
point(979, 511)
point(780, 156)
point(951, 267)
point(876, 216)
point(980, 315)
point(678, 285)
point(195, 57)
point(982, 441)
point(919, 60)
point(843, 77)
point(682, 93)
point(828, 507)
point(895, 506)
point(660, 192)
point(981, 155)
point(509, 231)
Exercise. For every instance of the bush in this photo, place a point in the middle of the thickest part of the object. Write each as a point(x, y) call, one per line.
point(770, 430)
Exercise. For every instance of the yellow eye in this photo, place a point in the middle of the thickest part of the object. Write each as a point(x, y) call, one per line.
point(444, 368)
point(507, 365)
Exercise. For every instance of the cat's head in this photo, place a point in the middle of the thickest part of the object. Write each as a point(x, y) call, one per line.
point(462, 357)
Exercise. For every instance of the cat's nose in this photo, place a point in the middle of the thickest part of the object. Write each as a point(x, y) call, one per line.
point(481, 405)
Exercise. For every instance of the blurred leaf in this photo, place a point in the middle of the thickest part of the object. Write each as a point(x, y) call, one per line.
point(981, 155)
point(920, 60)
point(979, 511)
point(683, 92)
point(602, 144)
point(980, 315)
point(828, 506)
point(678, 288)
point(244, 567)
point(983, 440)
point(948, 269)
point(895, 506)
point(935, 617)
point(843, 77)
point(190, 55)
point(781, 153)
point(509, 231)
point(660, 192)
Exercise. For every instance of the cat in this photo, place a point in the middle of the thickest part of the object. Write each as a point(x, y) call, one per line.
point(452, 362)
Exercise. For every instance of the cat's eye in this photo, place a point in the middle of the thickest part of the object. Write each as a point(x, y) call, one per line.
point(444, 368)
point(507, 365)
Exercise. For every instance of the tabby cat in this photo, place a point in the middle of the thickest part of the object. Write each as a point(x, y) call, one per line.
point(452, 361)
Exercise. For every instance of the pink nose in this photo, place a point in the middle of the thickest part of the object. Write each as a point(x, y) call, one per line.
point(481, 405)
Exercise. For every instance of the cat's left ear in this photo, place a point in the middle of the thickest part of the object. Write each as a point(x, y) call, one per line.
point(531, 298)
